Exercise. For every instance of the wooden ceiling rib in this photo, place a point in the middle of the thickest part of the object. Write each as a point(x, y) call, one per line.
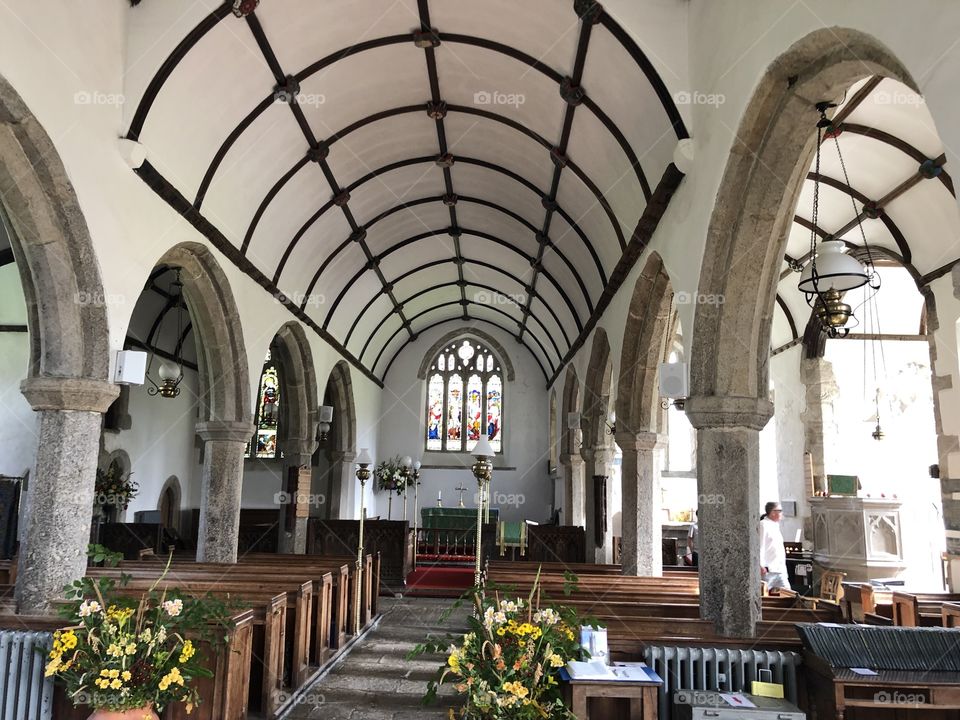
point(581, 261)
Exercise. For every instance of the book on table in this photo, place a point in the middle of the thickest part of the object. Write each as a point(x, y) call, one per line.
point(618, 672)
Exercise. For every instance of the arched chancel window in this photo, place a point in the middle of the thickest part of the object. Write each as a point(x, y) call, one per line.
point(464, 398)
point(267, 416)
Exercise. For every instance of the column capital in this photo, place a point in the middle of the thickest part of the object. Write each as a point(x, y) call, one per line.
point(66, 393)
point(298, 446)
point(635, 441)
point(709, 411)
point(571, 459)
point(225, 430)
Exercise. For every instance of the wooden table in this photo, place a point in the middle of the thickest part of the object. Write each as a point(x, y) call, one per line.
point(642, 695)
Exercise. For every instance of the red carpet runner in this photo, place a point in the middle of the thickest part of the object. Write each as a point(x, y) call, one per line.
point(439, 581)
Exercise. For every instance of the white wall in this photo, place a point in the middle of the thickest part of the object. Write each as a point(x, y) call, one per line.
point(20, 439)
point(782, 441)
point(525, 443)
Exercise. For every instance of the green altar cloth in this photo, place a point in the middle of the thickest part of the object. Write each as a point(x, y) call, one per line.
point(453, 518)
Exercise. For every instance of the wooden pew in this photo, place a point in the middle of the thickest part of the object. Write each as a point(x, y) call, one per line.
point(950, 614)
point(224, 695)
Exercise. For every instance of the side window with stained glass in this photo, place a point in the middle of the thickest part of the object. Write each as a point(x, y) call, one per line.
point(265, 441)
point(464, 398)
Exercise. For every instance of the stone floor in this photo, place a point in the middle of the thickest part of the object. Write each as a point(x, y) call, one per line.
point(376, 681)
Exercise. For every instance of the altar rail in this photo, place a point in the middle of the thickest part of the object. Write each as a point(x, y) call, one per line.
point(393, 539)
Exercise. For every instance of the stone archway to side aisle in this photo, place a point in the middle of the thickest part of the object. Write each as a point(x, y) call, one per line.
point(731, 340)
point(225, 416)
point(67, 379)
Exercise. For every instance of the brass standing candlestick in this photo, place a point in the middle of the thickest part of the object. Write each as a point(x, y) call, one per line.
point(416, 512)
point(407, 464)
point(482, 471)
point(363, 474)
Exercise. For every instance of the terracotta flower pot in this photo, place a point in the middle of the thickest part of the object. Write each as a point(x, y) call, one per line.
point(144, 713)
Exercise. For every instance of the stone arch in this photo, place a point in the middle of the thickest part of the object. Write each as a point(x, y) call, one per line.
point(169, 503)
point(67, 377)
point(755, 205)
point(597, 449)
point(299, 399)
point(596, 396)
point(221, 353)
point(646, 343)
point(224, 398)
point(485, 337)
point(554, 458)
point(570, 459)
point(342, 443)
point(746, 237)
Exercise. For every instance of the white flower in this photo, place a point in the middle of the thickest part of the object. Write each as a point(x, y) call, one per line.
point(173, 607)
point(500, 617)
point(89, 607)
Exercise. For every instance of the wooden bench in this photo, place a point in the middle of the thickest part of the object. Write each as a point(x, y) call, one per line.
point(224, 695)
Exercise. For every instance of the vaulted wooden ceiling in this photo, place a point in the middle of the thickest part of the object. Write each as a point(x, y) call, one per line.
point(386, 167)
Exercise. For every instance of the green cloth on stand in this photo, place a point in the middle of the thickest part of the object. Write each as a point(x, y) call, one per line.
point(453, 518)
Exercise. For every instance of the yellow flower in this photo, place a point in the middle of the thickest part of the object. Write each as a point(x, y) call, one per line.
point(131, 648)
point(68, 640)
point(114, 650)
point(501, 632)
point(113, 674)
point(115, 684)
point(125, 675)
point(52, 667)
point(556, 660)
point(516, 688)
point(187, 651)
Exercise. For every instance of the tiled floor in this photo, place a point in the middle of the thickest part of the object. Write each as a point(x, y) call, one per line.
point(376, 681)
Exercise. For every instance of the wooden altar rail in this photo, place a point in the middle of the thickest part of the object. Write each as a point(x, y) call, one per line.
point(224, 695)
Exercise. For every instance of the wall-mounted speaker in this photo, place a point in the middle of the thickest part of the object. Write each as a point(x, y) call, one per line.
point(131, 367)
point(673, 380)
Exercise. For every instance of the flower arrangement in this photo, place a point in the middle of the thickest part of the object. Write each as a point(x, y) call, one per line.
point(114, 488)
point(391, 476)
point(506, 666)
point(122, 654)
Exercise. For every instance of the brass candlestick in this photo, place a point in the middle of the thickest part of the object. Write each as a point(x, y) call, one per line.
point(363, 474)
point(416, 512)
point(482, 471)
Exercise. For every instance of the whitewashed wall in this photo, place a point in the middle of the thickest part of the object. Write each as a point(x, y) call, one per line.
point(19, 443)
point(525, 491)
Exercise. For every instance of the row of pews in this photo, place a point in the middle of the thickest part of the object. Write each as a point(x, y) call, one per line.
point(294, 617)
point(865, 603)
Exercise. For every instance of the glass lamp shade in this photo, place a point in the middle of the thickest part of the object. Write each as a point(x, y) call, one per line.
point(169, 371)
point(407, 461)
point(482, 449)
point(416, 465)
point(835, 270)
point(364, 458)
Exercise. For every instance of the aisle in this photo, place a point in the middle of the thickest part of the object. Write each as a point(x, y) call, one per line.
point(376, 681)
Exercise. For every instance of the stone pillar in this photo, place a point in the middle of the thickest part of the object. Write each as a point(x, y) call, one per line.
point(59, 502)
point(596, 462)
point(296, 454)
point(221, 489)
point(573, 513)
point(728, 484)
point(819, 419)
point(640, 517)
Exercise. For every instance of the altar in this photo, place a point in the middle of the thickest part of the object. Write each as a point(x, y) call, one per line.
point(449, 535)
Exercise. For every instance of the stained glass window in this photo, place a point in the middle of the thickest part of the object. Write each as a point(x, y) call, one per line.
point(264, 443)
point(435, 411)
point(464, 398)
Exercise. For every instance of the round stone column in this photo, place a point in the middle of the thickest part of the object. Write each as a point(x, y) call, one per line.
point(296, 454)
point(222, 485)
point(597, 462)
point(59, 501)
point(641, 531)
point(728, 484)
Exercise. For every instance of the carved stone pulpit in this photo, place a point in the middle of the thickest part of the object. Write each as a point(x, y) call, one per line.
point(859, 536)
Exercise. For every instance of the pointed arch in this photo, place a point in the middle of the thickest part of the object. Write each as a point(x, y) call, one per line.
point(646, 342)
point(485, 337)
point(569, 443)
point(299, 399)
point(596, 396)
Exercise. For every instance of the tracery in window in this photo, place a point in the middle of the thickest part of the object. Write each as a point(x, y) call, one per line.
point(464, 398)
